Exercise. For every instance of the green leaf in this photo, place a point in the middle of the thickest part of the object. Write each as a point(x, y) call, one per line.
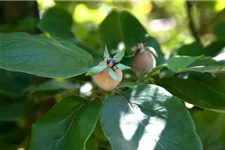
point(106, 53)
point(177, 63)
point(203, 69)
point(21, 25)
point(92, 144)
point(13, 110)
point(113, 75)
point(192, 91)
point(218, 29)
point(193, 49)
point(129, 84)
point(64, 4)
point(134, 32)
point(110, 30)
point(14, 83)
point(66, 126)
point(39, 55)
point(197, 64)
point(52, 85)
point(154, 120)
point(96, 69)
point(155, 70)
point(122, 67)
point(217, 83)
point(118, 57)
point(124, 27)
point(214, 48)
point(11, 135)
point(57, 22)
point(210, 128)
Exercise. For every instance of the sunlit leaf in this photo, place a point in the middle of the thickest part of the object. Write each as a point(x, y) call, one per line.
point(154, 120)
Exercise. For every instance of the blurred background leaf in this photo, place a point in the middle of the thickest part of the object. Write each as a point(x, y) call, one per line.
point(210, 128)
point(57, 22)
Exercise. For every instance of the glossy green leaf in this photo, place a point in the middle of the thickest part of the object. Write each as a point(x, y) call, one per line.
point(124, 27)
point(217, 82)
point(52, 85)
point(154, 120)
point(210, 128)
point(195, 92)
point(113, 75)
point(96, 69)
point(39, 55)
point(197, 64)
point(57, 22)
point(66, 126)
point(122, 67)
point(177, 63)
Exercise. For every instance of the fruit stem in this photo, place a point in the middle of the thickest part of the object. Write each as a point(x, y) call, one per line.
point(121, 93)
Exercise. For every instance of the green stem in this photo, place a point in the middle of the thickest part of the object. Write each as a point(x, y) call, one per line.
point(124, 96)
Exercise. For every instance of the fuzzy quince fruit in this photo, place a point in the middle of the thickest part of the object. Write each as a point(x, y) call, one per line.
point(144, 61)
point(105, 81)
point(108, 73)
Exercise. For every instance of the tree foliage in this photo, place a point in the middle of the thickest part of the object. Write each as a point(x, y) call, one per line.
point(48, 100)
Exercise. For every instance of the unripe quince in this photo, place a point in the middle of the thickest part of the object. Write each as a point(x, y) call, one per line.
point(105, 81)
point(107, 74)
point(143, 62)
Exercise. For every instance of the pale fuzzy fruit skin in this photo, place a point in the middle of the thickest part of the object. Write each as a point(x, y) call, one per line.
point(104, 80)
point(143, 62)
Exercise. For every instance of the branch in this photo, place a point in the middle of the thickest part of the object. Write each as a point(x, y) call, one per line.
point(191, 21)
